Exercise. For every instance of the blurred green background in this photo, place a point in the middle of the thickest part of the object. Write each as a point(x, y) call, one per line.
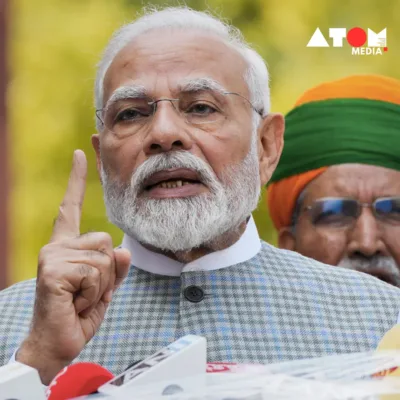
point(54, 46)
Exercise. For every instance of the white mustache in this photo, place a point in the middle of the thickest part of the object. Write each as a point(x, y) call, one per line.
point(175, 159)
point(382, 267)
point(181, 224)
point(375, 262)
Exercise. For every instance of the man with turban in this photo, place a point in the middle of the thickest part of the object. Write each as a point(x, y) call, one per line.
point(335, 195)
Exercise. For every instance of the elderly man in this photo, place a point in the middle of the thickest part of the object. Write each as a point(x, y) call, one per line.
point(185, 141)
point(335, 195)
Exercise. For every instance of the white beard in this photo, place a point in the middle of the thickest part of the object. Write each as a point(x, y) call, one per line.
point(181, 224)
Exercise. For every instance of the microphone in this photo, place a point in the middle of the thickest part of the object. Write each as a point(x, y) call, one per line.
point(20, 382)
point(186, 356)
point(77, 380)
point(183, 358)
point(133, 364)
point(391, 341)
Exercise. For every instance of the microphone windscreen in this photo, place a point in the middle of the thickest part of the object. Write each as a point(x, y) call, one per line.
point(78, 380)
point(391, 340)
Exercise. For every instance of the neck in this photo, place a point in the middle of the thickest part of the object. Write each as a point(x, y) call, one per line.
point(220, 243)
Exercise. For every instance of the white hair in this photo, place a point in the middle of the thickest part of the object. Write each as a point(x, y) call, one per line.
point(256, 76)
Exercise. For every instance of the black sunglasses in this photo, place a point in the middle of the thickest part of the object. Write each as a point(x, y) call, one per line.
point(342, 212)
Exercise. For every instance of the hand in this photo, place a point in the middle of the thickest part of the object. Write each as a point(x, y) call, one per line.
point(77, 275)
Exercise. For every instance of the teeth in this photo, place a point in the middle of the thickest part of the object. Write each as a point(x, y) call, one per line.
point(173, 184)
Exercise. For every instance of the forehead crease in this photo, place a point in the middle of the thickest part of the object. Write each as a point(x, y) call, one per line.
point(151, 57)
point(361, 183)
point(367, 177)
point(326, 185)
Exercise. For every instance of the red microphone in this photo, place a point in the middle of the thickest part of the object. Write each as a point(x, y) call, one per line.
point(77, 380)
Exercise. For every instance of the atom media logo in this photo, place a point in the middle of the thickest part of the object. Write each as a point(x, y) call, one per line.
point(355, 37)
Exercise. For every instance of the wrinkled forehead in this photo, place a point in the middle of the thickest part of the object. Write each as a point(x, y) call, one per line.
point(360, 181)
point(161, 62)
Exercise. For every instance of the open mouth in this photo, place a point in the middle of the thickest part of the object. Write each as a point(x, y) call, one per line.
point(179, 182)
point(171, 184)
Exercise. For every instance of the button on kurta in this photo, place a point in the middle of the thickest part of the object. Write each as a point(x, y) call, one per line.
point(194, 294)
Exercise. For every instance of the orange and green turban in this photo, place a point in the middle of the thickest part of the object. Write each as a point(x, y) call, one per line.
point(350, 120)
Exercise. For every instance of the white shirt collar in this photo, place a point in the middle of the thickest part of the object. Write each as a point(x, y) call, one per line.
point(245, 248)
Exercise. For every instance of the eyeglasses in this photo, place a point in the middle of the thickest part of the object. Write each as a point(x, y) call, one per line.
point(206, 110)
point(339, 212)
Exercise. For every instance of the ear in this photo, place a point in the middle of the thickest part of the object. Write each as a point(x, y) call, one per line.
point(286, 239)
point(96, 147)
point(270, 134)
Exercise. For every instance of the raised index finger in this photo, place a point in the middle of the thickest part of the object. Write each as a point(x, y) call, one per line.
point(68, 220)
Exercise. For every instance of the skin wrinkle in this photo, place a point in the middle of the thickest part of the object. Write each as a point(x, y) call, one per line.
point(369, 245)
point(168, 84)
point(133, 91)
point(256, 74)
point(164, 61)
point(235, 159)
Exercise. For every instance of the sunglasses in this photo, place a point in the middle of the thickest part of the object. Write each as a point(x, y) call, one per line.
point(342, 212)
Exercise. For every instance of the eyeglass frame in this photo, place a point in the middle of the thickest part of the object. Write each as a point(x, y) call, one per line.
point(360, 206)
point(172, 100)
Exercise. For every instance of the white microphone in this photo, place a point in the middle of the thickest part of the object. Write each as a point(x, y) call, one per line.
point(183, 358)
point(20, 382)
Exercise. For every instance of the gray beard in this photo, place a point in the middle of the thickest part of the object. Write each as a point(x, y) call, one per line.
point(182, 224)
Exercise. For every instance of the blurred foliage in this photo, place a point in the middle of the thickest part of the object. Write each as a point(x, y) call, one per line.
point(55, 45)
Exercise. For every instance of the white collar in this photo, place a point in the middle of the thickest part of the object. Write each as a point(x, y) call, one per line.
point(246, 247)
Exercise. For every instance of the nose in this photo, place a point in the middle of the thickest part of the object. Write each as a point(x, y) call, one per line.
point(365, 238)
point(167, 132)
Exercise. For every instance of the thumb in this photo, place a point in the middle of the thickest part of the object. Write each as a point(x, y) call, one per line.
point(122, 264)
